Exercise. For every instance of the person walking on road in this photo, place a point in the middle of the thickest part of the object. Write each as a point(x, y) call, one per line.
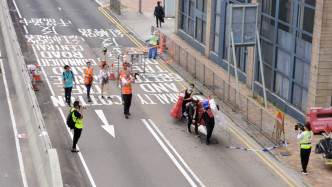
point(305, 142)
point(67, 82)
point(127, 91)
point(121, 74)
point(77, 115)
point(208, 118)
point(104, 77)
point(159, 14)
point(88, 79)
point(193, 116)
point(188, 95)
point(153, 42)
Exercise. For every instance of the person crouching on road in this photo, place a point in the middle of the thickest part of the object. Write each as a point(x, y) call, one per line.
point(67, 81)
point(127, 91)
point(104, 77)
point(77, 115)
point(121, 74)
point(153, 42)
point(88, 79)
point(305, 142)
point(193, 116)
point(208, 118)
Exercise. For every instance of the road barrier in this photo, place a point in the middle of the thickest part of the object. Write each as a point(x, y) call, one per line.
point(44, 157)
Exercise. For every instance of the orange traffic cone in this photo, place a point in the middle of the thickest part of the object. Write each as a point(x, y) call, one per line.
point(104, 60)
point(34, 85)
point(36, 74)
point(112, 76)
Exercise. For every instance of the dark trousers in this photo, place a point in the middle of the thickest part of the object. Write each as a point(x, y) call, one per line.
point(127, 103)
point(184, 105)
point(209, 130)
point(190, 121)
point(77, 135)
point(68, 94)
point(88, 88)
point(305, 154)
point(158, 19)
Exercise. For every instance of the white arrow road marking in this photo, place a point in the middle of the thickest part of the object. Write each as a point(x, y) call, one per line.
point(109, 128)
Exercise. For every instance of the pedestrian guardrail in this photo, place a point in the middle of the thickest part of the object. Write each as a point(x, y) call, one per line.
point(251, 111)
point(44, 157)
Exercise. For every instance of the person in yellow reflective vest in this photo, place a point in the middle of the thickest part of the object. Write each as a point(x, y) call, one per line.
point(305, 138)
point(153, 42)
point(77, 115)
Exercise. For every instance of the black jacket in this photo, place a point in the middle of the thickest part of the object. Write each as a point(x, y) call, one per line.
point(159, 11)
point(191, 112)
point(207, 119)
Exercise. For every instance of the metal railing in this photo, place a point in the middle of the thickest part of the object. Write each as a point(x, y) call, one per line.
point(251, 111)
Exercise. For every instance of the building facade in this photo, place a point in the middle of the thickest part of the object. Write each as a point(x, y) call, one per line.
point(295, 42)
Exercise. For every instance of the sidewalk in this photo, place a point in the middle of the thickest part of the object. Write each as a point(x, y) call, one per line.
point(140, 25)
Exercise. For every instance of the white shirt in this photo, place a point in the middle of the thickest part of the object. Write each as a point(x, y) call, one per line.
point(104, 73)
point(124, 81)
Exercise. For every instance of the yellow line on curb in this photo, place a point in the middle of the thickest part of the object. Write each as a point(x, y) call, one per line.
point(247, 142)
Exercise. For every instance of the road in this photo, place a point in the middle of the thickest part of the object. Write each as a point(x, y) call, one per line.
point(150, 148)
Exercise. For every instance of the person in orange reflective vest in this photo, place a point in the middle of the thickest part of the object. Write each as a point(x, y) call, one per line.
point(127, 91)
point(88, 79)
point(121, 74)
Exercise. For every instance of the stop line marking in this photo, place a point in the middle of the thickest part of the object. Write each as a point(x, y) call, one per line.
point(168, 152)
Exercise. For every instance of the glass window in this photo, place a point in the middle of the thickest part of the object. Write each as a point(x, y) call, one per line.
point(269, 7)
point(191, 8)
point(303, 47)
point(200, 5)
point(286, 11)
point(285, 39)
point(281, 85)
point(190, 27)
point(267, 75)
point(302, 72)
point(267, 54)
point(216, 43)
point(205, 6)
point(217, 24)
point(283, 61)
point(309, 2)
point(198, 29)
point(184, 6)
point(203, 31)
point(297, 95)
point(268, 28)
point(304, 100)
point(306, 18)
point(184, 22)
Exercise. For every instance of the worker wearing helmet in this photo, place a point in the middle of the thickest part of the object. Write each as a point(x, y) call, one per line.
point(153, 42)
point(192, 111)
point(208, 118)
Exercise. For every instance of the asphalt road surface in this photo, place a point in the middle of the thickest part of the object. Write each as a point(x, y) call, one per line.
point(149, 148)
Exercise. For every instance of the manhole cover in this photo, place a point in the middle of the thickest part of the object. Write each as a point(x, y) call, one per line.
point(285, 153)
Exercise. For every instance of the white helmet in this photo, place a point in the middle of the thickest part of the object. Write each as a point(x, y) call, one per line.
point(155, 32)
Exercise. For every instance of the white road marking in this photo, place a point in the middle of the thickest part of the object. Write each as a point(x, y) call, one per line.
point(59, 8)
point(97, 1)
point(48, 81)
point(18, 11)
point(25, 29)
point(176, 153)
point(79, 153)
point(18, 148)
point(177, 164)
point(109, 128)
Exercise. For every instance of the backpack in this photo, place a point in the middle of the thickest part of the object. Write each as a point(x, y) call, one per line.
point(70, 121)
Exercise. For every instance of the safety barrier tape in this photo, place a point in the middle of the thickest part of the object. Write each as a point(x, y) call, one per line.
point(263, 150)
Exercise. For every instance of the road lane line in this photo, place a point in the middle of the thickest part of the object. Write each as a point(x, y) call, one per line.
point(261, 157)
point(18, 11)
point(176, 153)
point(250, 145)
point(25, 29)
point(177, 164)
point(79, 153)
point(18, 148)
point(48, 81)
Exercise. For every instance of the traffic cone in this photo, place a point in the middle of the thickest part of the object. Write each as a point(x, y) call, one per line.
point(36, 74)
point(112, 76)
point(104, 61)
point(34, 85)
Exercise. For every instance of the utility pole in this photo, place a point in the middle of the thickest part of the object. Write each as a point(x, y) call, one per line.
point(140, 6)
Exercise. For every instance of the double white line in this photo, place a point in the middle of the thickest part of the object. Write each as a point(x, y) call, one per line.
point(158, 135)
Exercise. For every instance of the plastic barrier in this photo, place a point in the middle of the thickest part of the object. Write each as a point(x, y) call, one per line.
point(44, 157)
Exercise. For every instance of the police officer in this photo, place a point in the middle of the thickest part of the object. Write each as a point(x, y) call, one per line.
point(77, 115)
point(193, 116)
point(208, 118)
point(305, 142)
point(153, 42)
point(127, 91)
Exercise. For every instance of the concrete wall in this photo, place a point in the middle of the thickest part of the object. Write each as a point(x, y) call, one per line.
point(320, 85)
point(44, 157)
